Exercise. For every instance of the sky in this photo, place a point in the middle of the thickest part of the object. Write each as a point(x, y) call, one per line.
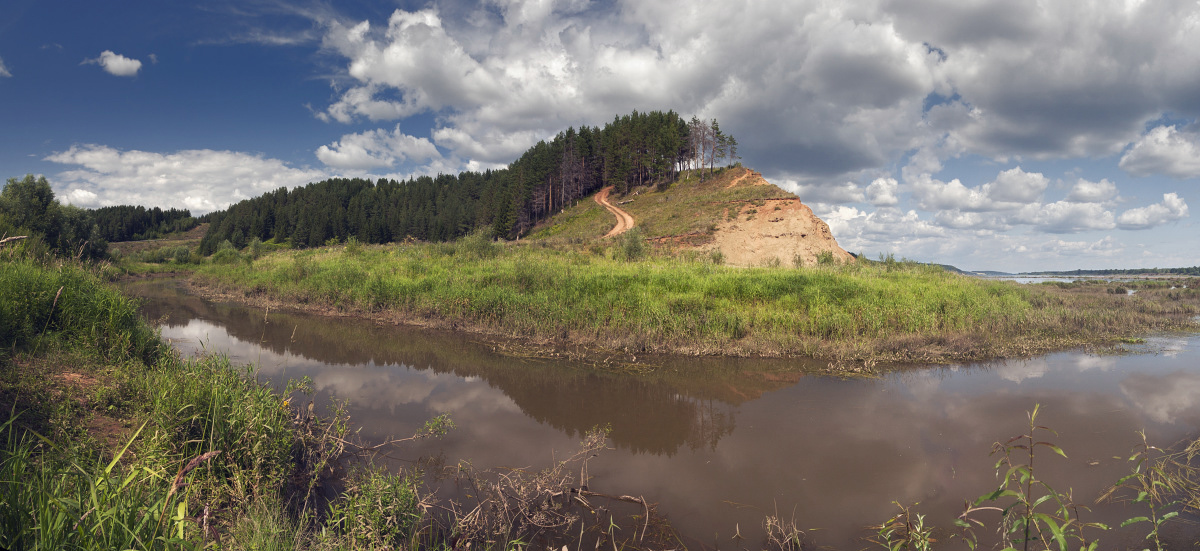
point(1011, 135)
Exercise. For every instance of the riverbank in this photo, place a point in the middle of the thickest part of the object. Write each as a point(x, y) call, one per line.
point(141, 449)
point(112, 441)
point(552, 301)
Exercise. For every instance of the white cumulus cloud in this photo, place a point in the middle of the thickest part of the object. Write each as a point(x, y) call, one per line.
point(1085, 191)
point(376, 149)
point(815, 90)
point(882, 192)
point(1170, 209)
point(116, 64)
point(1066, 217)
point(201, 180)
point(1164, 150)
point(1012, 188)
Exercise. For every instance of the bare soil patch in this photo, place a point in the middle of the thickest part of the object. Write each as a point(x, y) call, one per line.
point(190, 238)
point(33, 383)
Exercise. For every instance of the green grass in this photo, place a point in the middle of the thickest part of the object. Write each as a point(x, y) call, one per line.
point(688, 207)
point(862, 311)
point(209, 458)
point(190, 450)
point(66, 304)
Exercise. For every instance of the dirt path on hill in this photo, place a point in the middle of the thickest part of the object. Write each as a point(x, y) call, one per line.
point(624, 220)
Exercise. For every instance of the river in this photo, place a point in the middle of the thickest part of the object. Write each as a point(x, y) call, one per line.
point(720, 443)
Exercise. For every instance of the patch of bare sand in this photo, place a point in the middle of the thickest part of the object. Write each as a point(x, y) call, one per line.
point(783, 229)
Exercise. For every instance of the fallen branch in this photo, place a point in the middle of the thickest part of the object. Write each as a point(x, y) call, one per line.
point(14, 238)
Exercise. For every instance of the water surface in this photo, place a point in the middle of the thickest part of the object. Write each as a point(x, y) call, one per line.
point(719, 443)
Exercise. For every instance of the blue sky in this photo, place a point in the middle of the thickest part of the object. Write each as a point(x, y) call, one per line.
point(989, 134)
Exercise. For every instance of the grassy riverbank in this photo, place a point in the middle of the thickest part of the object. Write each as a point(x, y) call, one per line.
point(111, 441)
point(623, 300)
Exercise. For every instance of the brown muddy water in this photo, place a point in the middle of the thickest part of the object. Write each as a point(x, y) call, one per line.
point(721, 443)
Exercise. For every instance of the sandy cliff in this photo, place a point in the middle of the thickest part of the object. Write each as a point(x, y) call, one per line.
point(756, 233)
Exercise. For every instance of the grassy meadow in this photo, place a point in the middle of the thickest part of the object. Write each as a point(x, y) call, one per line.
point(626, 299)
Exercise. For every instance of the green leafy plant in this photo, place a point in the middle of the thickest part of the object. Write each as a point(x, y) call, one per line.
point(1033, 514)
point(1153, 484)
point(905, 530)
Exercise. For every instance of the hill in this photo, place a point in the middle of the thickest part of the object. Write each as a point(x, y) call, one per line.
point(631, 151)
point(734, 212)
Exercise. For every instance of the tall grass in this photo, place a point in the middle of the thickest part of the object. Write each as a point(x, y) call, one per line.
point(63, 303)
point(213, 447)
point(663, 304)
point(57, 498)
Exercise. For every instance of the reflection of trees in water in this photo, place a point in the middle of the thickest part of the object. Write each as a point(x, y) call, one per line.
point(712, 421)
point(690, 405)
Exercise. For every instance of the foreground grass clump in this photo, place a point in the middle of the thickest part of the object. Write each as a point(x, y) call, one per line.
point(110, 441)
point(55, 303)
point(878, 311)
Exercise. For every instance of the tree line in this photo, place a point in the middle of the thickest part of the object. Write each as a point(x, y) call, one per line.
point(633, 150)
point(136, 223)
point(1192, 271)
point(28, 208)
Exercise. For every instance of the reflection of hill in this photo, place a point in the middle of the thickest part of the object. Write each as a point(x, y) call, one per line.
point(683, 402)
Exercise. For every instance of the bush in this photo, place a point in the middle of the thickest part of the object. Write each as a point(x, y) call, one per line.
point(378, 511)
point(353, 246)
point(717, 257)
point(825, 258)
point(631, 245)
point(478, 245)
point(227, 256)
point(255, 248)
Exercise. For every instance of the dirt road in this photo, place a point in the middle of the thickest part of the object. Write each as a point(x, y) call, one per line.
point(624, 220)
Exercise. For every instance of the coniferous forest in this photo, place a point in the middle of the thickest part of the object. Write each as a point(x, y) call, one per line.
point(632, 150)
point(135, 223)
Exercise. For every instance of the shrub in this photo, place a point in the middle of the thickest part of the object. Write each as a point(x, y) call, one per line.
point(478, 245)
point(353, 246)
point(631, 245)
point(226, 256)
point(255, 249)
point(378, 511)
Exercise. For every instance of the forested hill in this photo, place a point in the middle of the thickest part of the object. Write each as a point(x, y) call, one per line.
point(635, 149)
